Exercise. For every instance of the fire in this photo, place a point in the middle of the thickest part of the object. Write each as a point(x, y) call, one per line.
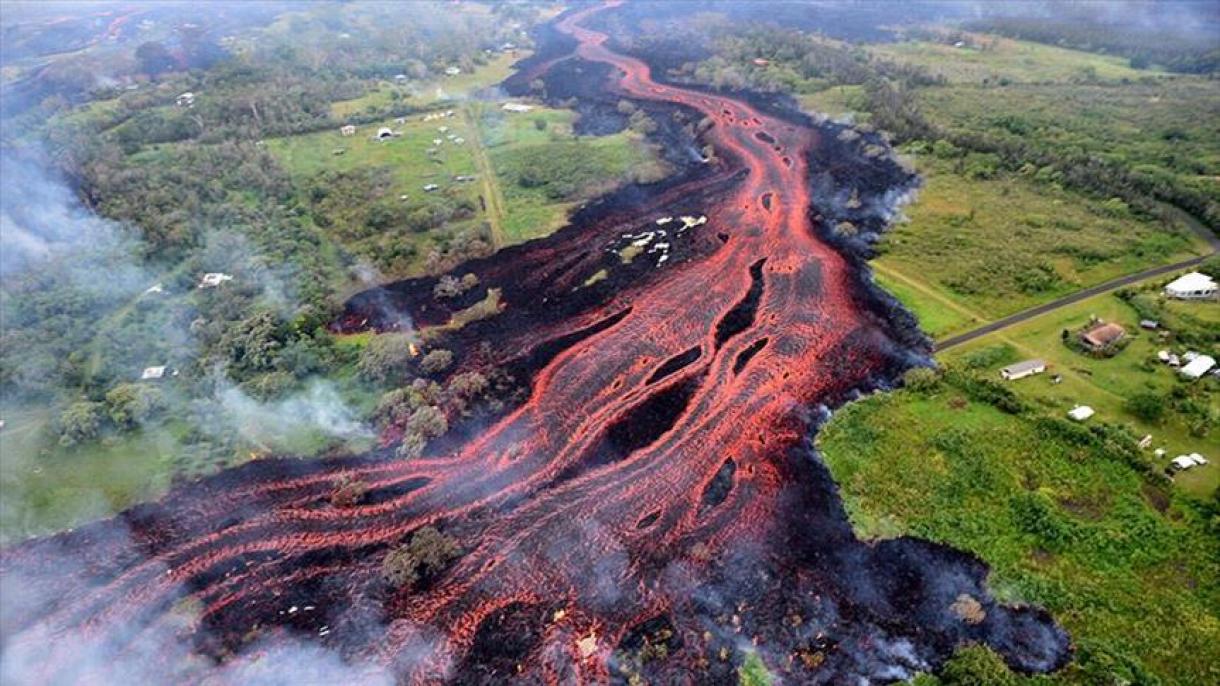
point(413, 349)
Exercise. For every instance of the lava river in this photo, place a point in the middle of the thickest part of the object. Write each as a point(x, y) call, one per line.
point(655, 487)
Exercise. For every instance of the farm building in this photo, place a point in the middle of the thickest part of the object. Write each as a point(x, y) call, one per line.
point(1021, 370)
point(1197, 367)
point(1192, 286)
point(1102, 335)
point(1187, 461)
point(1081, 412)
point(516, 107)
point(347, 130)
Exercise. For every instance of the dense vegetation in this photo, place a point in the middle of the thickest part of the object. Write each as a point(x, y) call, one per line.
point(1070, 517)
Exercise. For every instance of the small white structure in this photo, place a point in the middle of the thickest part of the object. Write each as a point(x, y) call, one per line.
point(152, 373)
point(154, 289)
point(453, 71)
point(384, 133)
point(1081, 412)
point(1188, 461)
point(214, 279)
point(186, 100)
point(1198, 367)
point(400, 77)
point(1021, 370)
point(1193, 286)
point(516, 107)
point(431, 187)
point(347, 130)
point(459, 140)
point(1162, 355)
point(1145, 442)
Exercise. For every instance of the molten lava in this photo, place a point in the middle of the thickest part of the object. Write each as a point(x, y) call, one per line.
point(655, 488)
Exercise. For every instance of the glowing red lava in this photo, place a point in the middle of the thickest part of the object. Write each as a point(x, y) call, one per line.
point(656, 485)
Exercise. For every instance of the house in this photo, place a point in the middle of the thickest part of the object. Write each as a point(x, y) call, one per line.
point(1197, 367)
point(1021, 370)
point(347, 130)
point(186, 100)
point(1145, 442)
point(152, 373)
point(1182, 462)
point(761, 61)
point(516, 107)
point(431, 187)
point(400, 77)
point(1081, 412)
point(1192, 286)
point(384, 133)
point(453, 71)
point(1102, 335)
point(214, 279)
point(1149, 324)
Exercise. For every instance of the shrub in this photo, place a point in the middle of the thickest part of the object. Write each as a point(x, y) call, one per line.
point(1149, 407)
point(427, 553)
point(80, 422)
point(129, 404)
point(386, 357)
point(436, 361)
point(348, 492)
point(427, 421)
point(921, 379)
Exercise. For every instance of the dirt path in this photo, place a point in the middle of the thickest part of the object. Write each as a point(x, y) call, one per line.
point(1195, 225)
point(487, 177)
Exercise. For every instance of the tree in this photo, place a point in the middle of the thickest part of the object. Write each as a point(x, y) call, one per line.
point(921, 379)
point(80, 422)
point(412, 446)
point(386, 357)
point(348, 492)
point(427, 421)
point(977, 666)
point(427, 553)
point(1148, 406)
point(436, 361)
point(130, 404)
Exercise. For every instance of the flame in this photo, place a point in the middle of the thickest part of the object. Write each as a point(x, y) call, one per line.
point(413, 349)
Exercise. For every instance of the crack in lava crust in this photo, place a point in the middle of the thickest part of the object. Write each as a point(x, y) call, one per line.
point(658, 474)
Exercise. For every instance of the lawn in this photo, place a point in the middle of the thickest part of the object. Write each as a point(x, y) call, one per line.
point(995, 246)
point(432, 91)
point(992, 59)
point(1104, 384)
point(1065, 522)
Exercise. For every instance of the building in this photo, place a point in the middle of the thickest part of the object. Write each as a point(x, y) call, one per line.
point(1187, 461)
point(1197, 367)
point(384, 133)
point(347, 130)
point(186, 100)
point(152, 373)
point(214, 279)
point(1192, 286)
point(516, 107)
point(453, 71)
point(1081, 412)
point(1149, 324)
point(1021, 370)
point(1102, 335)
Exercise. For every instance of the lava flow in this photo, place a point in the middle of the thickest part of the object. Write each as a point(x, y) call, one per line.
point(651, 507)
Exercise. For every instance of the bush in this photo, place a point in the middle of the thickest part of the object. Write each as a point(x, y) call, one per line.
point(348, 492)
point(386, 357)
point(1149, 407)
point(436, 361)
point(921, 379)
point(80, 422)
point(427, 421)
point(129, 404)
point(428, 552)
point(977, 666)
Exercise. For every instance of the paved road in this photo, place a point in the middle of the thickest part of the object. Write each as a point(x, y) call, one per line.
point(1008, 321)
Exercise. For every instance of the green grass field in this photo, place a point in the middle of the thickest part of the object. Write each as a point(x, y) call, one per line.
point(992, 247)
point(432, 91)
point(1103, 384)
point(992, 59)
point(1125, 565)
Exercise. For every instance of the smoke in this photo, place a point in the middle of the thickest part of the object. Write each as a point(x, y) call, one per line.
point(317, 408)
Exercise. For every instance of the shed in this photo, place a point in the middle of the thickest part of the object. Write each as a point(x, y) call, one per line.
point(1149, 324)
point(431, 187)
point(1103, 335)
point(1198, 367)
point(384, 133)
point(453, 71)
point(214, 279)
point(1192, 286)
point(347, 130)
point(186, 100)
point(152, 373)
point(1081, 412)
point(516, 107)
point(1021, 370)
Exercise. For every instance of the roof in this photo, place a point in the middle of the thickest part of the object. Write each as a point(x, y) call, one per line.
point(1194, 281)
point(153, 372)
point(1198, 366)
point(1103, 334)
point(1080, 412)
point(1022, 367)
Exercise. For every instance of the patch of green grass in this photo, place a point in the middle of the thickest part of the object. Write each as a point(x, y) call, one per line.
point(836, 101)
point(999, 245)
point(937, 315)
point(1063, 520)
point(992, 59)
point(1105, 384)
point(753, 672)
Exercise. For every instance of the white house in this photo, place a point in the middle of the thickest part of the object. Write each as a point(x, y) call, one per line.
point(1021, 370)
point(214, 279)
point(347, 130)
point(186, 100)
point(384, 133)
point(152, 373)
point(1197, 367)
point(1193, 286)
point(516, 107)
point(1080, 412)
